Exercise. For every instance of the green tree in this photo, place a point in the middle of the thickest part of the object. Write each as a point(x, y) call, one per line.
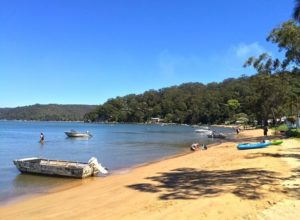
point(273, 85)
point(233, 105)
point(287, 38)
point(296, 13)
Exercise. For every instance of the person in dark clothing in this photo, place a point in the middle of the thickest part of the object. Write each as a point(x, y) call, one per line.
point(266, 131)
point(42, 138)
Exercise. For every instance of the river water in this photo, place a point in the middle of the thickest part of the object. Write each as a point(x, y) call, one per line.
point(116, 146)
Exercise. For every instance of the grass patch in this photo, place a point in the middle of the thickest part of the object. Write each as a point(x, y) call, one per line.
point(282, 127)
point(288, 132)
point(293, 133)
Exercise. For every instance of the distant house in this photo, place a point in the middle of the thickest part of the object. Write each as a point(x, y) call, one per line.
point(293, 124)
point(156, 120)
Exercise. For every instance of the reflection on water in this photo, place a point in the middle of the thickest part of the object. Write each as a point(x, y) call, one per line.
point(26, 183)
point(78, 138)
point(117, 147)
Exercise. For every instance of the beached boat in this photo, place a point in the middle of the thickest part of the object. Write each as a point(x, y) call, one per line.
point(60, 167)
point(73, 133)
point(216, 135)
point(248, 146)
point(276, 142)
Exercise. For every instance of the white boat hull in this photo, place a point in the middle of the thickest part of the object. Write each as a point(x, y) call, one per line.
point(203, 131)
point(77, 134)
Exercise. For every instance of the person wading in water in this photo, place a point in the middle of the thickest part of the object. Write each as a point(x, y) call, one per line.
point(42, 138)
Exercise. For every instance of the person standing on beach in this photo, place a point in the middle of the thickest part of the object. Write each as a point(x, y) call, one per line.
point(266, 131)
point(42, 138)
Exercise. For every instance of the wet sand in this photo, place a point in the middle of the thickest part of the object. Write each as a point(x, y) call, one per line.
point(220, 183)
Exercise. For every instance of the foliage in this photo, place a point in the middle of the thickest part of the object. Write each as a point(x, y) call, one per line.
point(51, 112)
point(293, 133)
point(258, 97)
point(287, 37)
point(233, 104)
point(282, 127)
point(241, 117)
point(296, 13)
point(285, 92)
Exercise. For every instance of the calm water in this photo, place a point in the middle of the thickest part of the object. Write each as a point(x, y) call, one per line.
point(116, 147)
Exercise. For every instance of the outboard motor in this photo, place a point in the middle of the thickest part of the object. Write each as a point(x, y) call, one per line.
point(97, 167)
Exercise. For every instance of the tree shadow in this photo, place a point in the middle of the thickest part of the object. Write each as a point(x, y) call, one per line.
point(189, 183)
point(275, 155)
point(292, 190)
point(294, 149)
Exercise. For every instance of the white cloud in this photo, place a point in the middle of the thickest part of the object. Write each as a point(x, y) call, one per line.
point(207, 66)
point(243, 50)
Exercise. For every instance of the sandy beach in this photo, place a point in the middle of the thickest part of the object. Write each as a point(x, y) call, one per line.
point(219, 183)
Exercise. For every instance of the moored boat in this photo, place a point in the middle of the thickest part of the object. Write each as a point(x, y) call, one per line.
point(65, 168)
point(216, 135)
point(248, 146)
point(203, 131)
point(73, 133)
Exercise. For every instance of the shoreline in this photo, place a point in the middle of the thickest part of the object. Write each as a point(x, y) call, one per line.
point(181, 186)
point(79, 182)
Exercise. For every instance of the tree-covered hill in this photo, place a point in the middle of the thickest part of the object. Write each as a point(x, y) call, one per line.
point(258, 97)
point(273, 92)
point(51, 112)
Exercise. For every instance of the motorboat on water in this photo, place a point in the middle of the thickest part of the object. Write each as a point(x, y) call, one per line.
point(204, 131)
point(216, 135)
point(73, 133)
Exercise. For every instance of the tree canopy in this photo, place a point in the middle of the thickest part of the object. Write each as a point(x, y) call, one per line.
point(296, 14)
point(260, 97)
point(51, 112)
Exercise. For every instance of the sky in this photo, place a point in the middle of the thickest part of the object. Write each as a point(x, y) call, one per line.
point(88, 51)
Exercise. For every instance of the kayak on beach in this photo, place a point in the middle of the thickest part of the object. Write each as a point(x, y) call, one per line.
point(276, 142)
point(248, 146)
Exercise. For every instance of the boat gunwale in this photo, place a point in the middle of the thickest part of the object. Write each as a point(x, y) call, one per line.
point(44, 159)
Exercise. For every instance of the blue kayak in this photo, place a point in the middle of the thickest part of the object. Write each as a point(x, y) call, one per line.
point(248, 146)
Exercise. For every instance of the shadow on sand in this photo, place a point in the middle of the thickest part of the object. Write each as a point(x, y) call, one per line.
point(189, 183)
point(294, 189)
point(276, 155)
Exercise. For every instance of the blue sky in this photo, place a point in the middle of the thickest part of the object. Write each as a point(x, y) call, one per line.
point(87, 51)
